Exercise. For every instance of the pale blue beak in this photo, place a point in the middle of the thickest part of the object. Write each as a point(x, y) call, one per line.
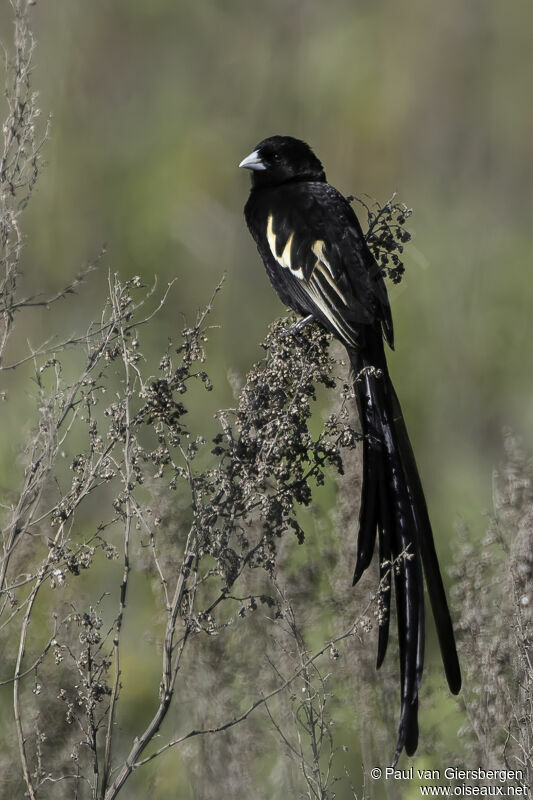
point(253, 161)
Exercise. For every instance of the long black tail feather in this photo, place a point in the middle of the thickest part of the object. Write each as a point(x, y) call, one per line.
point(393, 507)
point(385, 567)
point(434, 583)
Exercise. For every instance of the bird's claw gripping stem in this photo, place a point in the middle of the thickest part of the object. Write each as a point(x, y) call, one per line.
point(295, 329)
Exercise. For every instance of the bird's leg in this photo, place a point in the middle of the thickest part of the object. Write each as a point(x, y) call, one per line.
point(299, 326)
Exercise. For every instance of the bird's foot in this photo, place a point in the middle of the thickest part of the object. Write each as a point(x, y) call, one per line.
point(294, 330)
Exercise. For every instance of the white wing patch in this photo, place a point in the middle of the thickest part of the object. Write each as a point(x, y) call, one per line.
point(320, 299)
point(284, 260)
point(324, 268)
point(271, 237)
point(320, 282)
point(318, 250)
point(320, 285)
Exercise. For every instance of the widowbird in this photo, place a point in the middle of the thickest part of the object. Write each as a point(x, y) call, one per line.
point(317, 259)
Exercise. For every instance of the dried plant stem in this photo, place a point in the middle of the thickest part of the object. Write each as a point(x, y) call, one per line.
point(128, 390)
point(170, 668)
point(16, 692)
point(306, 663)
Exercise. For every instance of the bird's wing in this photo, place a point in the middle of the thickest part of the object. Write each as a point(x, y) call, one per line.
point(313, 235)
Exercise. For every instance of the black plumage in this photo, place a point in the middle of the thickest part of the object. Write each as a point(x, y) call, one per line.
point(317, 259)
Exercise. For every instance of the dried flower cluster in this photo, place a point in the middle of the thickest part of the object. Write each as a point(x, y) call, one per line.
point(386, 234)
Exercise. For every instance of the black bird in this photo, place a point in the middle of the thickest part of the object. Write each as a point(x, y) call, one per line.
point(317, 259)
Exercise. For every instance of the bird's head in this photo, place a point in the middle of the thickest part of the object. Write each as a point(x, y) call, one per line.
point(282, 159)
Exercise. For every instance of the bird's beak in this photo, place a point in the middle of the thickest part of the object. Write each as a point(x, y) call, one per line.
point(253, 161)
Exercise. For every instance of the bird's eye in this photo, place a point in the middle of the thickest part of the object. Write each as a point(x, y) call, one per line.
point(276, 158)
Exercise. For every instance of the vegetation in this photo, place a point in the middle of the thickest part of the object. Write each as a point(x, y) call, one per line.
point(175, 579)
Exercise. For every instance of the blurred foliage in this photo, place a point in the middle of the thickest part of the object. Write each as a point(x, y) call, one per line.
point(494, 590)
point(155, 103)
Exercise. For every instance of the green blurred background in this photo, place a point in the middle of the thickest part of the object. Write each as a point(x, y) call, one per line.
point(155, 103)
